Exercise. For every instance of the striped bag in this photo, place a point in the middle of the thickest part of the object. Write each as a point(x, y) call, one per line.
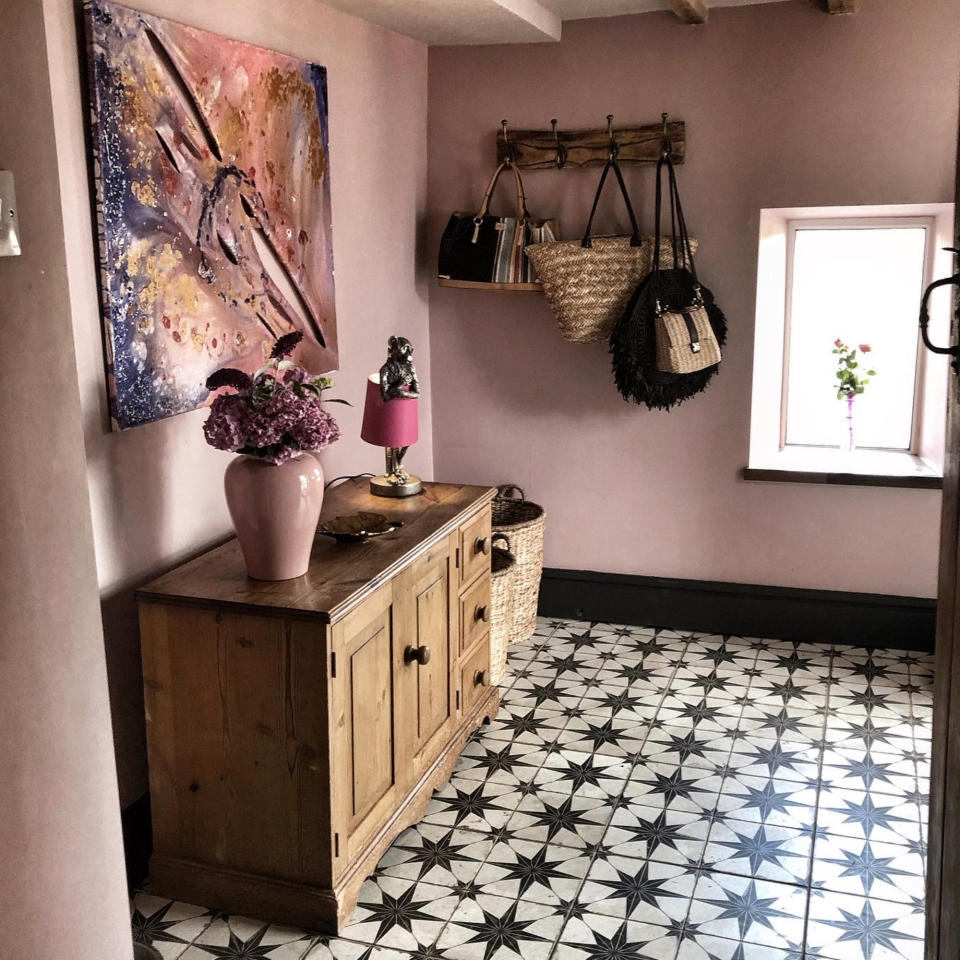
point(487, 252)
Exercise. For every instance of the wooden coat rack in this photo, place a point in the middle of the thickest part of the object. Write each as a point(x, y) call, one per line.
point(553, 149)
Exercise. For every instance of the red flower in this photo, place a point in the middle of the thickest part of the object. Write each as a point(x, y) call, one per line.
point(864, 347)
point(838, 343)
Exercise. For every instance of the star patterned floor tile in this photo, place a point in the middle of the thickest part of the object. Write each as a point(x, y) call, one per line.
point(685, 787)
point(868, 816)
point(702, 947)
point(167, 925)
point(499, 928)
point(476, 806)
point(436, 854)
point(560, 818)
point(648, 794)
point(784, 803)
point(400, 913)
point(759, 850)
point(525, 870)
point(671, 836)
point(855, 928)
point(593, 936)
point(747, 909)
point(678, 745)
point(648, 891)
point(241, 938)
point(870, 868)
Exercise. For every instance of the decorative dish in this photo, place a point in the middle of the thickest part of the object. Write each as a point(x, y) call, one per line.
point(358, 526)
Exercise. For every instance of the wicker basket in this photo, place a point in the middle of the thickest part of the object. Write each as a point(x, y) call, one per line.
point(502, 563)
point(588, 288)
point(522, 521)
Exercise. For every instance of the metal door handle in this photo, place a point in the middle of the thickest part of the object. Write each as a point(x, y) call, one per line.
point(951, 351)
point(419, 655)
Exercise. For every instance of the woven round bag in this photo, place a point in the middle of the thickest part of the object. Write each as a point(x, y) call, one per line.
point(502, 563)
point(522, 521)
point(588, 288)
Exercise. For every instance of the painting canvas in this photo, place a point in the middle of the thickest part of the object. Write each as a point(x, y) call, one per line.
point(211, 167)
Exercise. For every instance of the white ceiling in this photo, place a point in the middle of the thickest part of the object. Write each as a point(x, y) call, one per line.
point(450, 22)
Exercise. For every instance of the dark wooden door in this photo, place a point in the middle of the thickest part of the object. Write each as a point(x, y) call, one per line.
point(943, 866)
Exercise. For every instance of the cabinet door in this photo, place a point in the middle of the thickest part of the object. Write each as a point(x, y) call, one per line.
point(426, 631)
point(363, 705)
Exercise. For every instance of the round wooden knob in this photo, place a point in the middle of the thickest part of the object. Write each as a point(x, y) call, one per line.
point(419, 654)
point(483, 545)
point(480, 680)
point(482, 613)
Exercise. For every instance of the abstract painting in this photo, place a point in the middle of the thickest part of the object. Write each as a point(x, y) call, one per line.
point(211, 168)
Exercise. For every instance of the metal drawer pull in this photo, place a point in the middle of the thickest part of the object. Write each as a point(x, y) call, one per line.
point(480, 680)
point(419, 654)
point(482, 546)
point(482, 614)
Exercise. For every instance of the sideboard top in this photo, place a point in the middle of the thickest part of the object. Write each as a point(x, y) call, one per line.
point(340, 575)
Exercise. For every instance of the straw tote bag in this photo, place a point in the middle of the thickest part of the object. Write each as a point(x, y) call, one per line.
point(485, 251)
point(589, 282)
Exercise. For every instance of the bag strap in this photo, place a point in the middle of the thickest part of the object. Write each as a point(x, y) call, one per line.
point(679, 238)
point(507, 490)
point(635, 236)
point(522, 213)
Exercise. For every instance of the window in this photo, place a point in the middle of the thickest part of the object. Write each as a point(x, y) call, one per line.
point(856, 274)
point(860, 282)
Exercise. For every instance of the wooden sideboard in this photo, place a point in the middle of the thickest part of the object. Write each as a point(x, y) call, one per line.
point(294, 728)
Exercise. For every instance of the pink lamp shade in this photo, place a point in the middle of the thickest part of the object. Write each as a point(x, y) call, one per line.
point(395, 423)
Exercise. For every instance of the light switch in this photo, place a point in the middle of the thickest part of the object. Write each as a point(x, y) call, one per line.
point(9, 225)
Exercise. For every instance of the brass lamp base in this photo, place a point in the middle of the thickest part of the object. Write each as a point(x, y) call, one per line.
point(396, 482)
point(384, 486)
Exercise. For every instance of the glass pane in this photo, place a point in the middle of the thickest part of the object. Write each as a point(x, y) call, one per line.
point(863, 286)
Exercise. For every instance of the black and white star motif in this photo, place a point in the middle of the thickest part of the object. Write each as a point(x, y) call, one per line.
point(689, 745)
point(639, 887)
point(395, 911)
point(498, 760)
point(615, 947)
point(633, 672)
point(441, 853)
point(655, 833)
point(530, 870)
point(869, 931)
point(868, 815)
point(466, 803)
point(768, 799)
point(560, 817)
point(673, 785)
point(868, 770)
point(237, 949)
point(777, 757)
point(579, 640)
point(758, 849)
point(867, 867)
point(529, 722)
point(155, 927)
point(747, 908)
point(783, 722)
point(698, 712)
point(708, 682)
point(504, 930)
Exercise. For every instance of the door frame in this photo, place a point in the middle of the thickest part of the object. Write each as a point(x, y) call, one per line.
point(943, 845)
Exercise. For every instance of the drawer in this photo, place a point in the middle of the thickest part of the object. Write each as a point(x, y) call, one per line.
point(475, 546)
point(474, 613)
point(475, 675)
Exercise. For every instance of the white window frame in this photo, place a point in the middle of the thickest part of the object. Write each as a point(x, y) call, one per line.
point(928, 225)
point(769, 452)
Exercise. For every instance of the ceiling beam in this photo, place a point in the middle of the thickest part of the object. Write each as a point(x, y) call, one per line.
point(691, 11)
point(842, 6)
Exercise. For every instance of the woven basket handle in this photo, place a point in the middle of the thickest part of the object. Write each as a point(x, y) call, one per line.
point(507, 491)
point(500, 536)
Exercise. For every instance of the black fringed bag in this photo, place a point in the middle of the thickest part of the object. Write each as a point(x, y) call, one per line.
point(633, 345)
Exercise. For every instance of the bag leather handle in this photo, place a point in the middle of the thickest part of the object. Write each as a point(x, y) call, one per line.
point(678, 229)
point(522, 213)
point(635, 236)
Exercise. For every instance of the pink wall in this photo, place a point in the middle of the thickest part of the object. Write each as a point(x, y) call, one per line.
point(156, 491)
point(785, 106)
point(62, 888)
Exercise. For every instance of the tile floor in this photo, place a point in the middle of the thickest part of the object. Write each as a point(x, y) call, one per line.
point(649, 794)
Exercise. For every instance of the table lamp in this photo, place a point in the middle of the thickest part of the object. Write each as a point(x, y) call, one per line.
point(395, 425)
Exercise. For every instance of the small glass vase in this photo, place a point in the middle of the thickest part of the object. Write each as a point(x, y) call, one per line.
point(848, 442)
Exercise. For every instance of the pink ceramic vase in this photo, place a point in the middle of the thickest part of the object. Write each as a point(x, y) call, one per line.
point(275, 510)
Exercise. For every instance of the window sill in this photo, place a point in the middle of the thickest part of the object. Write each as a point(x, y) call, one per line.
point(862, 468)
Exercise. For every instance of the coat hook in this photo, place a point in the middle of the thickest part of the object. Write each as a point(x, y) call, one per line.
point(614, 148)
point(667, 144)
point(506, 142)
point(561, 159)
